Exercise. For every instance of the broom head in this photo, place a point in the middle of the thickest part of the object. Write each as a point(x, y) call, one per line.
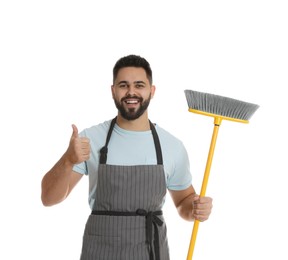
point(219, 106)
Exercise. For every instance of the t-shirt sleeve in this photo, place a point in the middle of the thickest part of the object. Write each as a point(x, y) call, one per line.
point(81, 168)
point(180, 178)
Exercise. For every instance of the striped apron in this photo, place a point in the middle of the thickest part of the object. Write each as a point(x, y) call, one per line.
point(126, 222)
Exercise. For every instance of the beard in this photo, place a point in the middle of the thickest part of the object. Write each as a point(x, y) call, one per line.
point(132, 113)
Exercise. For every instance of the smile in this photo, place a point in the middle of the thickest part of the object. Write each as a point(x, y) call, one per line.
point(131, 101)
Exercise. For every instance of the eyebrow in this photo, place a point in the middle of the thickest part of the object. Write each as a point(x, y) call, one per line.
point(139, 82)
point(135, 82)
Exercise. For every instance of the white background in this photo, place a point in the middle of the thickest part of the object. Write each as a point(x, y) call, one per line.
point(56, 60)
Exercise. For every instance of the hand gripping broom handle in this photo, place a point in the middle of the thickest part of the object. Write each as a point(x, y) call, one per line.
point(217, 123)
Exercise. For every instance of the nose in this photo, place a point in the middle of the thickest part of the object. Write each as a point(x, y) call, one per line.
point(130, 90)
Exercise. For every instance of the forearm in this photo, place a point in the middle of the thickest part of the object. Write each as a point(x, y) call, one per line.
point(185, 208)
point(55, 183)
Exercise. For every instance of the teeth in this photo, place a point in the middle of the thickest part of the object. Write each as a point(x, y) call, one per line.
point(131, 101)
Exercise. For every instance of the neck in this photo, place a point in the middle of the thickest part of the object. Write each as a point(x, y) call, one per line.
point(139, 124)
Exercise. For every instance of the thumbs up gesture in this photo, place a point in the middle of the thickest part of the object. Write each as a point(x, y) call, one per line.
point(79, 147)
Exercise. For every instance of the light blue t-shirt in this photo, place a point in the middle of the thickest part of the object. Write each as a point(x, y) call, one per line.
point(135, 148)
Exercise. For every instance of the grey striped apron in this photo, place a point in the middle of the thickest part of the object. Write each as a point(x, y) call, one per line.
point(126, 222)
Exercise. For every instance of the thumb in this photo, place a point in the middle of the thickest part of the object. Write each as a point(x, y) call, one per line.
point(75, 131)
point(196, 197)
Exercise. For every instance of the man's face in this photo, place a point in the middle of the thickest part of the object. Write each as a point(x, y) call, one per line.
point(132, 92)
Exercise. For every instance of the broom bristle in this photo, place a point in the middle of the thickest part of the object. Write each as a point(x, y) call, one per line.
point(219, 105)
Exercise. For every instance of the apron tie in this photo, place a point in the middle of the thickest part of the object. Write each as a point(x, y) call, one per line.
point(152, 219)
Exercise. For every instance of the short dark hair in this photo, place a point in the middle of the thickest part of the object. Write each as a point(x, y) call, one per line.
point(132, 61)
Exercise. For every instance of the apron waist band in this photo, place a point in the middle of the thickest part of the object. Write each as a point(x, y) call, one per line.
point(138, 212)
point(152, 219)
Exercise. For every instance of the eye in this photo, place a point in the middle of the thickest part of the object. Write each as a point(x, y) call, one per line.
point(123, 85)
point(139, 86)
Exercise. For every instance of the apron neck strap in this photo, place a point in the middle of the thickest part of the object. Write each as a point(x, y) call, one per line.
point(157, 144)
point(104, 149)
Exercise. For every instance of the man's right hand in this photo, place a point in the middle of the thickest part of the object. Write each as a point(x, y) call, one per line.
point(79, 148)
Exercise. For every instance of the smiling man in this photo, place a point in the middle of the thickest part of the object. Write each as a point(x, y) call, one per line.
point(131, 163)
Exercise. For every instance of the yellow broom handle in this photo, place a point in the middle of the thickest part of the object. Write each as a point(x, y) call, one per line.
point(217, 123)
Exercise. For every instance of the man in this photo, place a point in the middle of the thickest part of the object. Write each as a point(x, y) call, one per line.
point(130, 163)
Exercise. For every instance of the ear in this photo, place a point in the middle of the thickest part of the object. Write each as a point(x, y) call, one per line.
point(153, 89)
point(112, 91)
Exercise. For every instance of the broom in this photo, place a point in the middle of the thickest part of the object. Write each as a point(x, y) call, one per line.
point(219, 108)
